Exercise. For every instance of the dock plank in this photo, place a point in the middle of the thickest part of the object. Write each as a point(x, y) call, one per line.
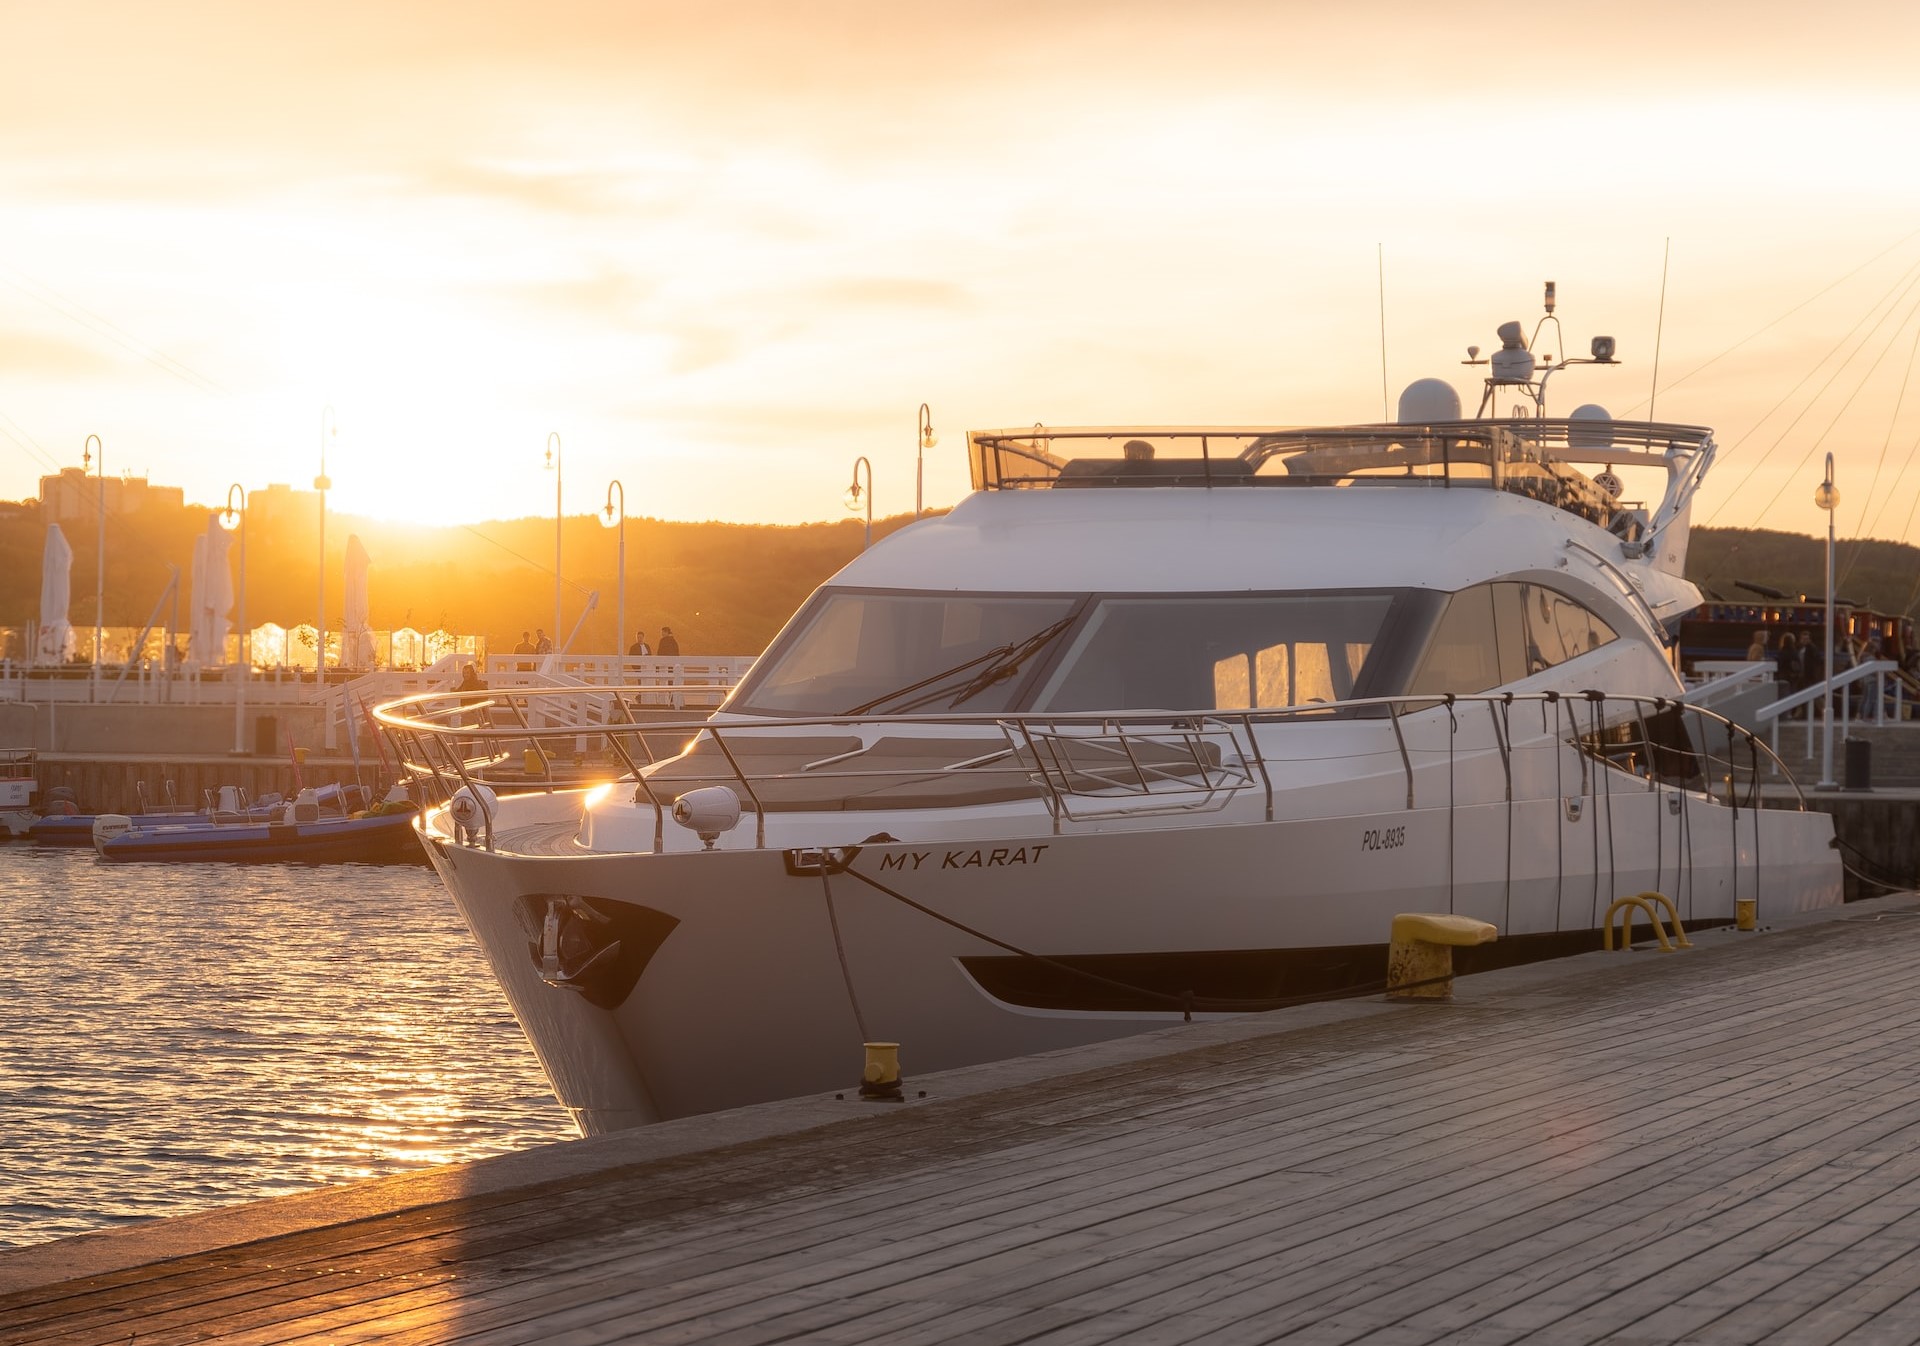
point(1715, 1146)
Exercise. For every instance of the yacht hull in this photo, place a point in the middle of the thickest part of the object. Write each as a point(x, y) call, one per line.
point(766, 981)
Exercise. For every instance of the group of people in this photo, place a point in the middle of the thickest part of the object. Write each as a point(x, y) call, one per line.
point(1799, 664)
point(668, 648)
point(538, 641)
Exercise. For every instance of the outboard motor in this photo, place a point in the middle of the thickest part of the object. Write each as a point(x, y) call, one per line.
point(108, 826)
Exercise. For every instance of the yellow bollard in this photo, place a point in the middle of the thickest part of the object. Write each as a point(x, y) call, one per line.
point(881, 1078)
point(1746, 913)
point(1420, 954)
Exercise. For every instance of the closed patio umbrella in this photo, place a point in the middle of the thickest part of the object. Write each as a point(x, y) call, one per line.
point(53, 643)
point(356, 634)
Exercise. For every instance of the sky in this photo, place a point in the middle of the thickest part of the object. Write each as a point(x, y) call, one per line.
point(723, 250)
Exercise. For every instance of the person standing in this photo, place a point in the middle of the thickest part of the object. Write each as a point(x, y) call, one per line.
point(669, 647)
point(543, 643)
point(1786, 662)
point(639, 649)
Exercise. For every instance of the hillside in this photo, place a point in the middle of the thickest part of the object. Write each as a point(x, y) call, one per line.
point(724, 588)
point(1880, 575)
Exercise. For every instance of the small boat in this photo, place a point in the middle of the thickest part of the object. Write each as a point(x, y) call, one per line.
point(62, 824)
point(301, 832)
point(16, 793)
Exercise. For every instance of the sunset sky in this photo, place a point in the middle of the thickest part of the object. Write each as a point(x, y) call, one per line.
point(725, 249)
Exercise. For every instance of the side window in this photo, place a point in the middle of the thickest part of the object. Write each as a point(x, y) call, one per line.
point(1499, 633)
point(1510, 630)
point(1554, 628)
point(1464, 654)
point(1544, 645)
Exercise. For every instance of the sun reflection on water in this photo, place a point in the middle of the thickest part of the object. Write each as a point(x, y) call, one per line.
point(179, 1037)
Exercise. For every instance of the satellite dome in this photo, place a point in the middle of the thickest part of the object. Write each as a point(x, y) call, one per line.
point(1590, 427)
point(1426, 401)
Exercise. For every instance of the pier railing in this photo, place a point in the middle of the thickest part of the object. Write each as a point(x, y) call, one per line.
point(1415, 751)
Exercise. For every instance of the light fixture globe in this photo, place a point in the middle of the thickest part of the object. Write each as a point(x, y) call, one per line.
point(1827, 496)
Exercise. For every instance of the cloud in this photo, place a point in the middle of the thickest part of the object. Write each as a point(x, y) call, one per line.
point(888, 292)
point(584, 194)
point(34, 353)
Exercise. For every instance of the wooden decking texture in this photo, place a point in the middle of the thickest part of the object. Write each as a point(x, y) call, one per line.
point(1716, 1146)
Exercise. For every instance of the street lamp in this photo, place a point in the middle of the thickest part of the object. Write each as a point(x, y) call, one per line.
point(855, 495)
point(323, 483)
point(553, 461)
point(100, 563)
point(924, 440)
point(1827, 497)
point(615, 516)
point(232, 517)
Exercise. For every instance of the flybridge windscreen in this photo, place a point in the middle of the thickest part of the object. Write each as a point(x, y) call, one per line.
point(862, 652)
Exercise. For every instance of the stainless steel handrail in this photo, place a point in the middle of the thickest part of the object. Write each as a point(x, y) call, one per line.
point(437, 721)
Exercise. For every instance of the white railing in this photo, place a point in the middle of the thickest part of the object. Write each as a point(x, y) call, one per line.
point(1723, 680)
point(1843, 683)
point(656, 682)
point(149, 685)
point(1084, 766)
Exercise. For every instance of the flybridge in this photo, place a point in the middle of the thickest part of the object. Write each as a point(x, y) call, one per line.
point(1532, 457)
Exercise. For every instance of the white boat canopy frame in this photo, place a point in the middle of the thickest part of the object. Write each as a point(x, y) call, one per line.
point(1529, 457)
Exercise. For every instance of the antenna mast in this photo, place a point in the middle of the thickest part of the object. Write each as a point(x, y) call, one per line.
point(1659, 327)
point(1380, 263)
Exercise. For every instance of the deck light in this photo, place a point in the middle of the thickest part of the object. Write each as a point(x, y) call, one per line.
point(708, 812)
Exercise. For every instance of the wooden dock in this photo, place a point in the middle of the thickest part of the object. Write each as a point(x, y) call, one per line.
point(1714, 1146)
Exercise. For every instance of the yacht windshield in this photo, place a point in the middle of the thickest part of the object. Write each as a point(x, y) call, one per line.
point(852, 652)
point(855, 653)
point(1226, 653)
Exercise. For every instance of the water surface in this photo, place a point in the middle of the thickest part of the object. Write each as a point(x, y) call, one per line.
point(176, 1037)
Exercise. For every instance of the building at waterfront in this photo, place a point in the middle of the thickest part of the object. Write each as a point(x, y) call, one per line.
point(74, 494)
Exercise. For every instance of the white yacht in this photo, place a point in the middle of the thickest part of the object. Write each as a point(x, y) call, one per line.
point(1156, 723)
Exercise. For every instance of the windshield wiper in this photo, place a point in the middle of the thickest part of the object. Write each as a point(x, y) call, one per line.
point(1001, 662)
point(1015, 655)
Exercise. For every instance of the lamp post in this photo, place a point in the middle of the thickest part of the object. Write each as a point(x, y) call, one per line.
point(100, 562)
point(322, 483)
point(232, 517)
point(1827, 497)
point(924, 439)
point(553, 461)
point(615, 516)
point(855, 494)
